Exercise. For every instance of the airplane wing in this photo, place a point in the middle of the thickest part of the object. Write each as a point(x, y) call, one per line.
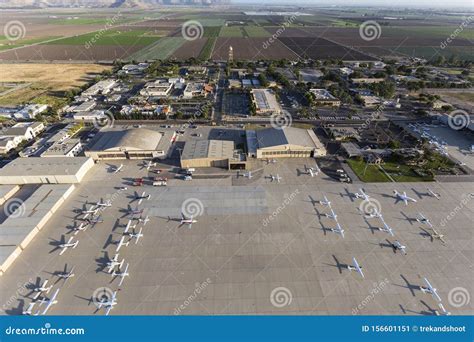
point(50, 302)
point(129, 223)
point(63, 250)
point(433, 291)
point(107, 311)
point(358, 268)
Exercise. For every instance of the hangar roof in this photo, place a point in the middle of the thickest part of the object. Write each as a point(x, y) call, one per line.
point(214, 149)
point(36, 166)
point(272, 137)
point(138, 139)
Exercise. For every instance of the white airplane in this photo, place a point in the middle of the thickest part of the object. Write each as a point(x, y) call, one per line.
point(403, 197)
point(386, 228)
point(444, 312)
point(136, 235)
point(398, 246)
point(362, 194)
point(29, 309)
point(430, 289)
point(143, 220)
point(422, 219)
point(92, 210)
point(82, 227)
point(188, 221)
point(50, 302)
point(271, 161)
point(355, 267)
point(94, 220)
point(248, 175)
point(108, 304)
point(117, 169)
point(141, 197)
point(436, 235)
point(276, 178)
point(374, 214)
point(135, 211)
point(325, 202)
point(312, 171)
point(67, 245)
point(42, 289)
point(111, 264)
point(122, 275)
point(129, 225)
point(149, 165)
point(338, 229)
point(65, 274)
point(121, 243)
point(104, 204)
point(434, 194)
point(332, 215)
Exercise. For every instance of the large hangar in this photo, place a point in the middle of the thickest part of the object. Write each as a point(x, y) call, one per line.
point(136, 143)
point(286, 142)
point(54, 170)
point(207, 153)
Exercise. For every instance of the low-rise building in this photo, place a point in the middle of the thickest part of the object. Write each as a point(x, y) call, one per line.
point(68, 148)
point(90, 117)
point(207, 153)
point(194, 89)
point(325, 98)
point(265, 102)
point(101, 87)
point(30, 111)
point(159, 88)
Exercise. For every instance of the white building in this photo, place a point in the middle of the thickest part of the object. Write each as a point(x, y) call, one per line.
point(265, 101)
point(90, 117)
point(101, 87)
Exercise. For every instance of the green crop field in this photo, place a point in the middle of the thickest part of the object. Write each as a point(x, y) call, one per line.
point(211, 31)
point(6, 44)
point(110, 37)
point(256, 31)
point(162, 49)
point(206, 51)
point(231, 31)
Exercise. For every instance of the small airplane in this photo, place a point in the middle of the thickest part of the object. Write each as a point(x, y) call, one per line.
point(362, 194)
point(104, 204)
point(136, 235)
point(188, 221)
point(374, 214)
point(92, 210)
point(116, 169)
point(121, 243)
point(325, 202)
point(436, 235)
point(271, 161)
point(69, 244)
point(386, 228)
point(141, 197)
point(148, 165)
point(247, 175)
point(422, 219)
point(312, 171)
point(398, 246)
point(29, 309)
point(65, 274)
point(444, 312)
point(135, 211)
point(40, 289)
point(94, 220)
point(82, 227)
point(355, 267)
point(143, 220)
point(403, 197)
point(338, 229)
point(276, 178)
point(430, 289)
point(112, 263)
point(332, 215)
point(122, 275)
point(434, 194)
point(129, 225)
point(50, 302)
point(108, 304)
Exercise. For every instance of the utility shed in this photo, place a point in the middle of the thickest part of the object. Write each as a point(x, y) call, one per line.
point(53, 170)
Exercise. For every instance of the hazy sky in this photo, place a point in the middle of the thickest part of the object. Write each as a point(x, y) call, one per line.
point(390, 3)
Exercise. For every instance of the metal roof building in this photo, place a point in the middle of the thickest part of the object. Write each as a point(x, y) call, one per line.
point(136, 143)
point(288, 142)
point(54, 170)
point(207, 153)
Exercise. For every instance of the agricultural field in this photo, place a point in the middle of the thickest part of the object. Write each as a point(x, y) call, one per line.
point(162, 49)
point(231, 31)
point(251, 49)
point(256, 31)
point(119, 36)
point(45, 83)
point(194, 49)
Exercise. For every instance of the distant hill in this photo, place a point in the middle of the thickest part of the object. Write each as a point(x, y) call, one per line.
point(103, 3)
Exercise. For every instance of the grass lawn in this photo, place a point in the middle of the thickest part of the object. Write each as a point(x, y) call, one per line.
point(371, 174)
point(403, 173)
point(400, 173)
